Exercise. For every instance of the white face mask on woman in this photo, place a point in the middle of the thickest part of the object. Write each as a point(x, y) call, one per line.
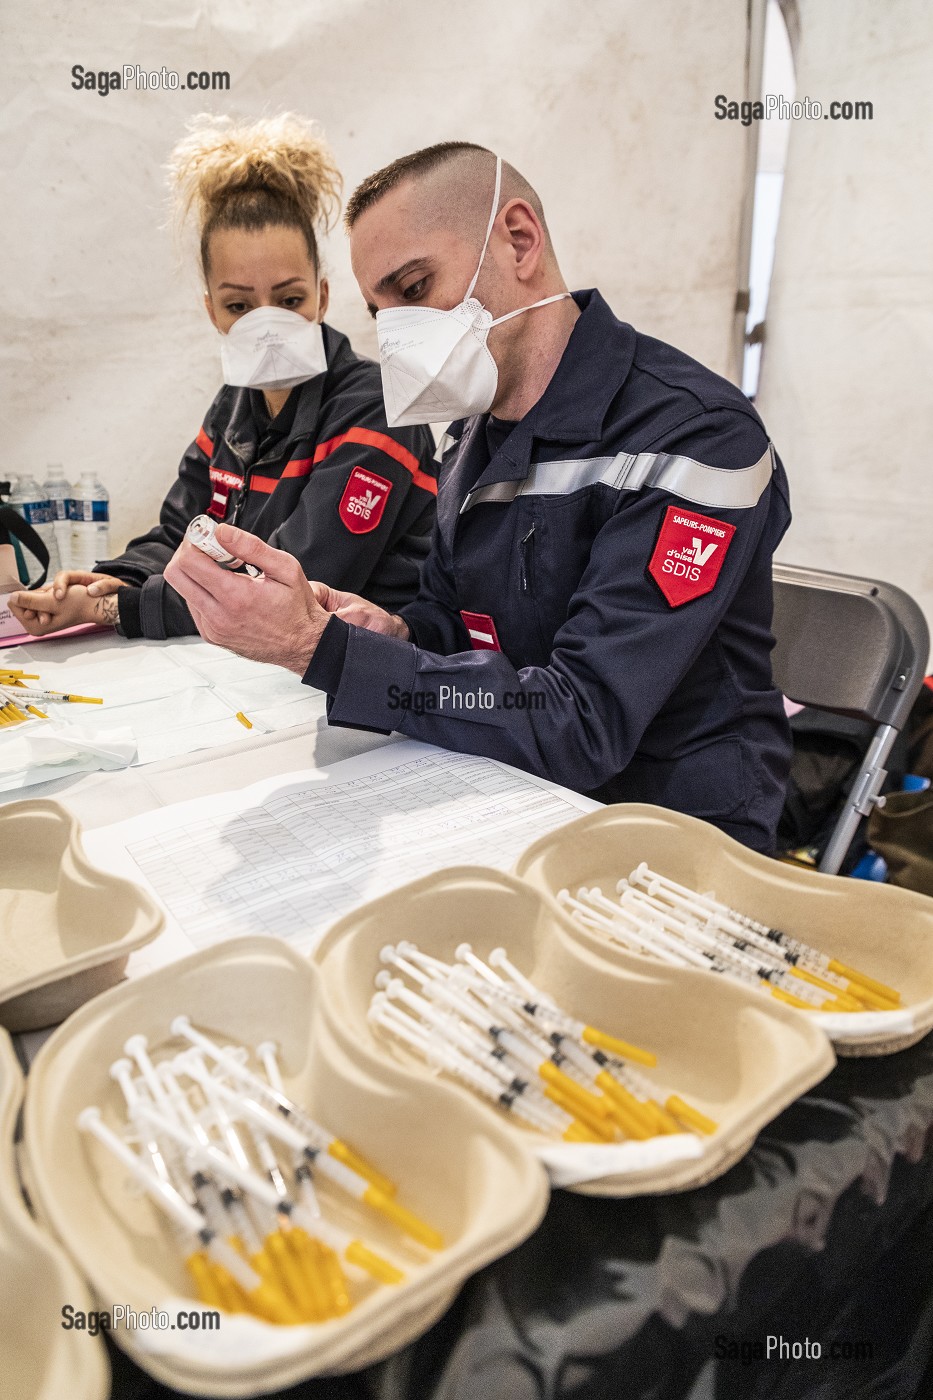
point(436, 365)
point(272, 348)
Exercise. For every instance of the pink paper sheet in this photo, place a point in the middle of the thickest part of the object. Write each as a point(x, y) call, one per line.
point(22, 638)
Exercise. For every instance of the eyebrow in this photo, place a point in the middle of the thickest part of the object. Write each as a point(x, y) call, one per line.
point(238, 286)
point(385, 284)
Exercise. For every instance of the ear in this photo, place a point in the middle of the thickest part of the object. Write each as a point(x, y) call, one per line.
point(209, 308)
point(522, 229)
point(323, 298)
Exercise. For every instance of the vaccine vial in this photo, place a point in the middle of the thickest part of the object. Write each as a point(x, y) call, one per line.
point(200, 533)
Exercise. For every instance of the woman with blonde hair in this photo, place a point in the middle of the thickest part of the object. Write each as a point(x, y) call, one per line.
point(295, 447)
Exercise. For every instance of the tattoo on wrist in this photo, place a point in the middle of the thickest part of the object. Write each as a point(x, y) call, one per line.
point(108, 609)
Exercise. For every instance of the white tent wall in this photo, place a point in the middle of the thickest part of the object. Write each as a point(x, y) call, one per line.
point(845, 382)
point(109, 361)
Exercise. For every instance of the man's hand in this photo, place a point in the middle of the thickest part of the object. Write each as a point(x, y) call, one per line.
point(73, 597)
point(275, 618)
point(352, 608)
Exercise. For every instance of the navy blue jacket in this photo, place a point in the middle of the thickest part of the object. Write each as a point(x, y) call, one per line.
point(325, 479)
point(618, 547)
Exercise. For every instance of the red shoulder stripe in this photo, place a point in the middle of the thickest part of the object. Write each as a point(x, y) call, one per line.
point(298, 466)
point(367, 437)
point(264, 484)
point(204, 442)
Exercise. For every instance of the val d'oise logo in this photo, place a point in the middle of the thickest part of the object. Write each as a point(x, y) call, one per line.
point(701, 554)
point(364, 501)
point(365, 505)
point(686, 562)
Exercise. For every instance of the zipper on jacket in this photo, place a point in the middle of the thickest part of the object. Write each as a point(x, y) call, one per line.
point(241, 492)
point(525, 557)
point(244, 489)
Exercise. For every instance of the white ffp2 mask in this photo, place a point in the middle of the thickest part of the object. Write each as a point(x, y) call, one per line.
point(436, 365)
point(272, 348)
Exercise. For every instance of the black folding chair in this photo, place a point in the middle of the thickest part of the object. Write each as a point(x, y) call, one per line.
point(853, 646)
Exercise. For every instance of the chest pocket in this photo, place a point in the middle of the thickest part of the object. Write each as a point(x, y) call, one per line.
point(556, 555)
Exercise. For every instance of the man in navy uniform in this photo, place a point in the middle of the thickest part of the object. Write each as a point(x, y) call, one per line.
point(596, 605)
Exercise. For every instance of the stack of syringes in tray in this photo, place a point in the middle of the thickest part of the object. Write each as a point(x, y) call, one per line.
point(232, 1162)
point(486, 1025)
point(654, 915)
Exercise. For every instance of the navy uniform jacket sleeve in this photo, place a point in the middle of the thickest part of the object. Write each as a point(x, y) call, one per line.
point(620, 653)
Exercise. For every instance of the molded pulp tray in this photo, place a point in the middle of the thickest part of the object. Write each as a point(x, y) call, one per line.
point(886, 933)
point(729, 1052)
point(464, 1175)
point(66, 928)
point(39, 1360)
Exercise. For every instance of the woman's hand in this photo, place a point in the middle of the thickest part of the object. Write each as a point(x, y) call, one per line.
point(97, 585)
point(73, 597)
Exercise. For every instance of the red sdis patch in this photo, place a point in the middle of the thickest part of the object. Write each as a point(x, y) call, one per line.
point(481, 630)
point(689, 554)
point(363, 501)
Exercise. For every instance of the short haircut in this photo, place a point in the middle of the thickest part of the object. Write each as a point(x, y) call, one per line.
point(418, 163)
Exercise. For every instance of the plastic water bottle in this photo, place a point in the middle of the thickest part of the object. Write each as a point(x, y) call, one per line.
point(33, 505)
point(90, 515)
point(59, 493)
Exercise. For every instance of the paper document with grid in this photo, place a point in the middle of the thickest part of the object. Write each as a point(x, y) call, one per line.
point(290, 856)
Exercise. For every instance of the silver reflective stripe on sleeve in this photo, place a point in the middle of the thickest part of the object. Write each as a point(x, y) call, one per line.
point(714, 487)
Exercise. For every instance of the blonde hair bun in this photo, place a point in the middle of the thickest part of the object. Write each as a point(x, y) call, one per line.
point(278, 170)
